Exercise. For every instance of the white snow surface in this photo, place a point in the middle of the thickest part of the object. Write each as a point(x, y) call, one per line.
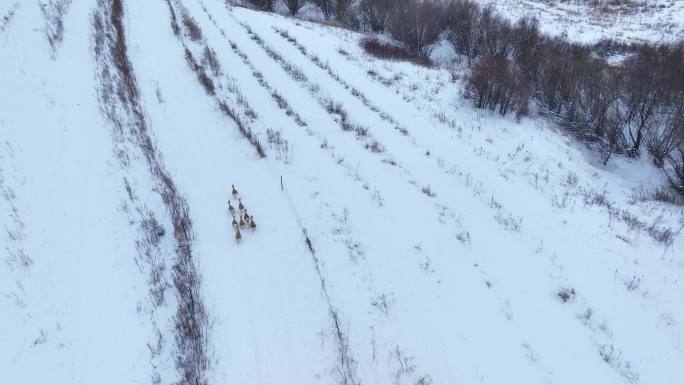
point(443, 236)
point(637, 21)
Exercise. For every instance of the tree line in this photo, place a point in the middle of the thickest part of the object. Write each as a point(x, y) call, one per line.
point(632, 106)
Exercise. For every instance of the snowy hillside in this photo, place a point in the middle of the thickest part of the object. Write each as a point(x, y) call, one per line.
point(630, 21)
point(402, 236)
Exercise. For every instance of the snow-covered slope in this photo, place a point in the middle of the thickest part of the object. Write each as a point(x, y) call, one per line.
point(629, 21)
point(402, 236)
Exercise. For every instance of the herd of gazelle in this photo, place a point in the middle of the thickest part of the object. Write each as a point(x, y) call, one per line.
point(243, 220)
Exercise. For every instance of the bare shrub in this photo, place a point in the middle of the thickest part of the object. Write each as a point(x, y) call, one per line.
point(659, 233)
point(508, 221)
point(53, 11)
point(278, 144)
point(562, 202)
point(405, 365)
point(666, 195)
point(597, 198)
point(7, 18)
point(209, 59)
point(191, 27)
point(663, 194)
point(566, 295)
point(633, 283)
point(663, 235)
point(373, 46)
point(294, 71)
point(244, 130)
point(570, 179)
point(361, 131)
point(613, 357)
point(424, 380)
point(335, 108)
point(280, 100)
point(497, 84)
point(375, 147)
point(174, 20)
point(201, 73)
point(428, 191)
point(384, 303)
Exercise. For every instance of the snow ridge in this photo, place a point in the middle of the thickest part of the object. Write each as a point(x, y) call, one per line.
point(120, 102)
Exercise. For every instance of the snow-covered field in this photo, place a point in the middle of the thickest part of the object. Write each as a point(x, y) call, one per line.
point(403, 237)
point(638, 21)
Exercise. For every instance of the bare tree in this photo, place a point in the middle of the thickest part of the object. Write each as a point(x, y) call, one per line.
point(668, 135)
point(473, 31)
point(666, 138)
point(294, 6)
point(327, 7)
point(526, 41)
point(375, 14)
point(264, 5)
point(462, 20)
point(341, 10)
point(675, 169)
point(494, 34)
point(337, 9)
point(417, 26)
point(642, 97)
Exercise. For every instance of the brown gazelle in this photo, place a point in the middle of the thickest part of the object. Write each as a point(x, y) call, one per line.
point(235, 192)
point(240, 205)
point(252, 225)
